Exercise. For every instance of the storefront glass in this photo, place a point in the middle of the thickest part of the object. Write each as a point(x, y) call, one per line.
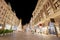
point(8, 26)
point(0, 26)
point(14, 28)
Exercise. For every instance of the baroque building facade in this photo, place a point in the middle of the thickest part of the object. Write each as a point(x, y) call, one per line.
point(7, 16)
point(46, 9)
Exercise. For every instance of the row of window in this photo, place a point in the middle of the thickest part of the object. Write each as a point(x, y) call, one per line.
point(41, 1)
point(57, 5)
point(4, 12)
point(48, 9)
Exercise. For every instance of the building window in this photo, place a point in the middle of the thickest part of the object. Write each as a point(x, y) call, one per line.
point(0, 17)
point(59, 0)
point(44, 15)
point(1, 7)
point(0, 10)
point(48, 3)
point(57, 5)
point(52, 0)
point(2, 13)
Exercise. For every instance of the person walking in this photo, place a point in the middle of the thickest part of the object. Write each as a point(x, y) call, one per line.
point(52, 27)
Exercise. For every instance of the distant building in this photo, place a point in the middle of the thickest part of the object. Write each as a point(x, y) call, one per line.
point(20, 25)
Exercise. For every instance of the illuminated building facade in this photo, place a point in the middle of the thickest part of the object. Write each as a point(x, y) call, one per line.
point(20, 26)
point(46, 9)
point(7, 16)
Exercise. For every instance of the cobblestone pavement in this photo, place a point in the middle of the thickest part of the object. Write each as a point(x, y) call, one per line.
point(27, 36)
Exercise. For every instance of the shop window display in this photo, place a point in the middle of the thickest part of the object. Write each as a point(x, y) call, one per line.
point(0, 26)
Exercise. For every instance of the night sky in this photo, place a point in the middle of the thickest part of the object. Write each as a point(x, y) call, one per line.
point(23, 9)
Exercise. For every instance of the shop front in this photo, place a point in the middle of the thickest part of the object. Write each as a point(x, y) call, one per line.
point(1, 25)
point(7, 26)
point(14, 27)
point(38, 29)
point(57, 19)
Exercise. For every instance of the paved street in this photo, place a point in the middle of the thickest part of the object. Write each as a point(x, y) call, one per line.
point(26, 36)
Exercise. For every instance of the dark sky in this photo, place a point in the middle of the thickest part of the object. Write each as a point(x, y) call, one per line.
point(23, 9)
